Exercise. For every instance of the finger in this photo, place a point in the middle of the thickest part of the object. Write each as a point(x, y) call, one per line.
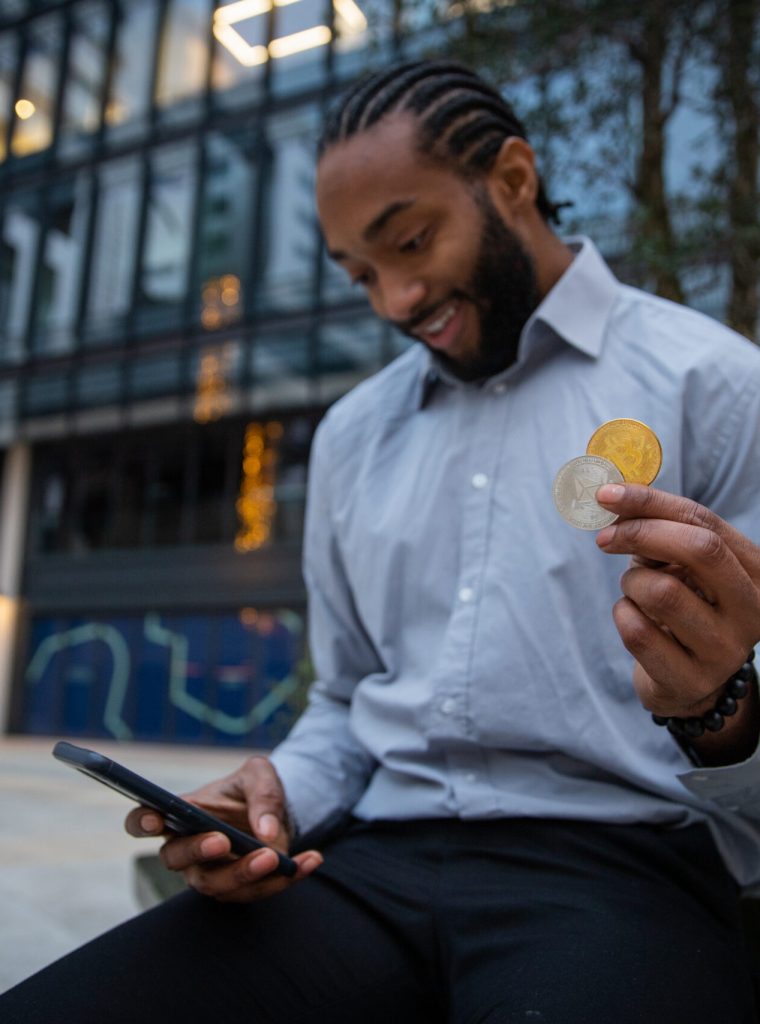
point(183, 852)
point(663, 661)
point(708, 559)
point(250, 877)
point(267, 815)
point(635, 501)
point(142, 821)
point(669, 602)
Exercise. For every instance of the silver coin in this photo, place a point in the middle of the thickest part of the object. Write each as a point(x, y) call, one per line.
point(575, 487)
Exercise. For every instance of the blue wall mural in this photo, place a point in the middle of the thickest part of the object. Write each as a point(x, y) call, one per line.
point(235, 679)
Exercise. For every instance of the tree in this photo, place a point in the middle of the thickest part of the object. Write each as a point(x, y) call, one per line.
point(625, 71)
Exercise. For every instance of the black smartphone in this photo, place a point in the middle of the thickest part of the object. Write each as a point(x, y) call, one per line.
point(180, 816)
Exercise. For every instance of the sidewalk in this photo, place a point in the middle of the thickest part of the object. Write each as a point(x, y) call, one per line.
point(65, 860)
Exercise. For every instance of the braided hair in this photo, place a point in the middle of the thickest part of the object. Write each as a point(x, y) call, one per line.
point(463, 121)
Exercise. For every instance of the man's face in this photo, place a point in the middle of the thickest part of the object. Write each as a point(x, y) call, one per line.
point(432, 251)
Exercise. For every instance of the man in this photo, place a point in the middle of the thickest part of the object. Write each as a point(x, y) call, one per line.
point(506, 833)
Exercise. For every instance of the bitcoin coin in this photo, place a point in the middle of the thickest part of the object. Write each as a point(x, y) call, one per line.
point(633, 447)
point(575, 487)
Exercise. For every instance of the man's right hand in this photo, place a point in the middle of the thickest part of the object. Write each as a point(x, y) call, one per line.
point(253, 800)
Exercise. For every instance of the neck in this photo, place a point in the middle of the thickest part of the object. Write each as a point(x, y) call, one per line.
point(551, 258)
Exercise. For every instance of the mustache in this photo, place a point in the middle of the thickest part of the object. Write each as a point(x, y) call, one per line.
point(410, 325)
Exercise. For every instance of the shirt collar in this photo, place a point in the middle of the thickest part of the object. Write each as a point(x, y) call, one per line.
point(576, 310)
point(579, 305)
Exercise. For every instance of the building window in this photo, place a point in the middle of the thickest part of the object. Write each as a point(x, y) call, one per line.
point(183, 59)
point(7, 71)
point(114, 250)
point(132, 75)
point(62, 266)
point(168, 237)
point(18, 255)
point(35, 107)
point(226, 232)
point(85, 78)
point(290, 229)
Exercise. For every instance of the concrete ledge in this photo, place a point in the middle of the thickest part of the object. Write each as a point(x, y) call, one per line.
point(153, 883)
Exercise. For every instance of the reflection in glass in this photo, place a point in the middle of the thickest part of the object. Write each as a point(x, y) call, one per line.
point(129, 96)
point(299, 43)
point(110, 292)
point(281, 368)
point(237, 70)
point(215, 372)
point(151, 376)
point(226, 230)
point(85, 77)
point(163, 279)
point(350, 347)
point(183, 56)
point(98, 384)
point(18, 247)
point(7, 70)
point(62, 265)
point(35, 105)
point(291, 236)
point(46, 393)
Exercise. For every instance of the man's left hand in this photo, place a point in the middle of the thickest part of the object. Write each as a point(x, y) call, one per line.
point(690, 613)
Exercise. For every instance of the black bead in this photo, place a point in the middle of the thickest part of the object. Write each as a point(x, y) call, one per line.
point(693, 728)
point(738, 688)
point(746, 672)
point(751, 655)
point(727, 706)
point(714, 721)
point(675, 726)
point(660, 719)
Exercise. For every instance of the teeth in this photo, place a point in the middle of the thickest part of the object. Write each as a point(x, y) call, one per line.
point(436, 326)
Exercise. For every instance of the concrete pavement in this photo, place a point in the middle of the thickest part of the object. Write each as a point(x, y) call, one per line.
point(66, 863)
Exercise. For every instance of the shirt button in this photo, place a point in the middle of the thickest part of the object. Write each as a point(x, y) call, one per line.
point(500, 388)
point(471, 777)
point(466, 594)
point(479, 481)
point(448, 705)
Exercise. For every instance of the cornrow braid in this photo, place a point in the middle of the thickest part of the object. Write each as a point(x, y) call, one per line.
point(463, 120)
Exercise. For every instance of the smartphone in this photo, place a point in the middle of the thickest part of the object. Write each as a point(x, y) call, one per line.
point(180, 816)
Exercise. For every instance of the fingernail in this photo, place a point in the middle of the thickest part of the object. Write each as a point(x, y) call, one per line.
point(150, 823)
point(213, 846)
point(311, 863)
point(269, 826)
point(610, 494)
point(262, 863)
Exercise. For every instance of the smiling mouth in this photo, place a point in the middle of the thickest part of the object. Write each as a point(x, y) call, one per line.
point(434, 326)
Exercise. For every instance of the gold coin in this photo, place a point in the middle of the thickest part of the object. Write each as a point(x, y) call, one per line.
point(632, 446)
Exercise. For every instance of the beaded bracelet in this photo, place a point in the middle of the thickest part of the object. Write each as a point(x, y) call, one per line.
point(737, 689)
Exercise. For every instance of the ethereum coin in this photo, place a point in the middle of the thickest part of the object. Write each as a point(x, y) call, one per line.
point(632, 446)
point(575, 487)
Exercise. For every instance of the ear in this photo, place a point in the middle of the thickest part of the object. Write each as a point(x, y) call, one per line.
point(512, 179)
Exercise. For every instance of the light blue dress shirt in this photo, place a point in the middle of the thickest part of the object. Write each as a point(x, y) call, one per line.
point(467, 661)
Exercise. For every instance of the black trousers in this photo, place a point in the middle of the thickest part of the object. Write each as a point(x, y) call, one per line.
point(551, 922)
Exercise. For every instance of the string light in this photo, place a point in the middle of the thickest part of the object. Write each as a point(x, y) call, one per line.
point(256, 505)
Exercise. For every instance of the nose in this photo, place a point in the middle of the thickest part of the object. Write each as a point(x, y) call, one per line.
point(399, 296)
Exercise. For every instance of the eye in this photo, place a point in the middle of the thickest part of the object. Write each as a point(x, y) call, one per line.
point(415, 243)
point(360, 280)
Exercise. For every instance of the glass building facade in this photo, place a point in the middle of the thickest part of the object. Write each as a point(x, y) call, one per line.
point(170, 334)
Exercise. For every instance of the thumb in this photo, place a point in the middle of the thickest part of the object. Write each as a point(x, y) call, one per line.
point(267, 813)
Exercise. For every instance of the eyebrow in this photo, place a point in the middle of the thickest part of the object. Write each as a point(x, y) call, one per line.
point(375, 226)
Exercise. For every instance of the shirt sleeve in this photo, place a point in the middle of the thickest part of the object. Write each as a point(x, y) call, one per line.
point(323, 767)
point(731, 422)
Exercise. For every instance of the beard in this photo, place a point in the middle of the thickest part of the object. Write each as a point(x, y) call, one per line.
point(504, 291)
